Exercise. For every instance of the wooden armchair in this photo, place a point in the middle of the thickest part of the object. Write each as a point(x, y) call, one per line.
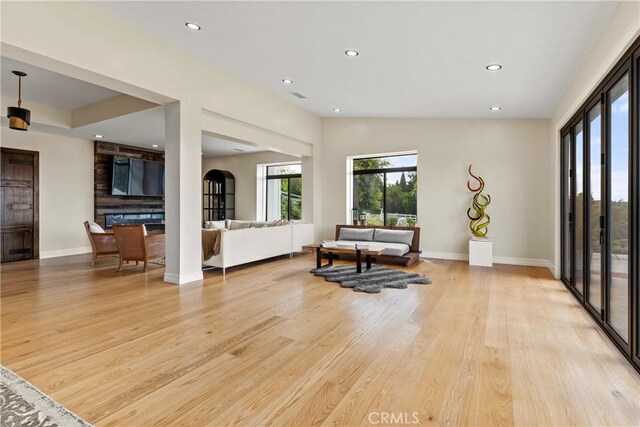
point(133, 245)
point(101, 243)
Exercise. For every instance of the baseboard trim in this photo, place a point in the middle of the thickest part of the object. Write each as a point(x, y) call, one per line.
point(181, 279)
point(529, 262)
point(65, 252)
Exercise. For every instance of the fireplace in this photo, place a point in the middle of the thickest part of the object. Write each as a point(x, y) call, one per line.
point(149, 219)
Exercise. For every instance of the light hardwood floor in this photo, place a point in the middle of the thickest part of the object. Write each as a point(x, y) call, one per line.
point(273, 344)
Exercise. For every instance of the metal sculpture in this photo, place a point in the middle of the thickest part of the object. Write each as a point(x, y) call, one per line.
point(479, 219)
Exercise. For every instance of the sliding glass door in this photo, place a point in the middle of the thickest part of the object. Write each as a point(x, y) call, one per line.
point(595, 236)
point(567, 210)
point(600, 204)
point(635, 209)
point(618, 132)
point(579, 203)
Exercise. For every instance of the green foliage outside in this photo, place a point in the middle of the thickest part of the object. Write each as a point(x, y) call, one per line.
point(368, 193)
point(296, 198)
point(619, 225)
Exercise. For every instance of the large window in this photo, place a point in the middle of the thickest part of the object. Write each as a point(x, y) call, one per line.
point(385, 189)
point(283, 192)
point(601, 204)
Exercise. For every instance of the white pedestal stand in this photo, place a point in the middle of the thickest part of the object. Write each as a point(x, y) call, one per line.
point(481, 252)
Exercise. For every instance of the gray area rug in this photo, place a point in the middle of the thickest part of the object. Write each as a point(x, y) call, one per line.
point(370, 281)
point(22, 404)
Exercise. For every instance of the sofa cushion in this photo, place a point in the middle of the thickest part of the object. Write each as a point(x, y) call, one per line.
point(238, 225)
point(393, 236)
point(95, 228)
point(395, 249)
point(359, 234)
point(214, 225)
point(258, 224)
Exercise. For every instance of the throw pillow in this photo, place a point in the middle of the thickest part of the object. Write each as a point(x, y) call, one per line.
point(95, 228)
point(214, 225)
point(358, 234)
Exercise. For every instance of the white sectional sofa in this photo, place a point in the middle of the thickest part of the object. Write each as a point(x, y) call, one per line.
point(241, 246)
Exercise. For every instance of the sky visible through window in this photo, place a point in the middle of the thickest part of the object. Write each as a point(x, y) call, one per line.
point(620, 147)
point(408, 160)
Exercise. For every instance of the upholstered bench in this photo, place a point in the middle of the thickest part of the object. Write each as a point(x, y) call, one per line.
point(401, 243)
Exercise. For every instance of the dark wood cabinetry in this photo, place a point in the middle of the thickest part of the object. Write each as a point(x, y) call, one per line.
point(218, 196)
point(19, 201)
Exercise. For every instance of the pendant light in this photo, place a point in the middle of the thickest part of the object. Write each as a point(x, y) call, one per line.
point(19, 118)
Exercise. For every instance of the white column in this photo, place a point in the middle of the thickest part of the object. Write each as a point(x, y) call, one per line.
point(307, 189)
point(183, 187)
point(311, 190)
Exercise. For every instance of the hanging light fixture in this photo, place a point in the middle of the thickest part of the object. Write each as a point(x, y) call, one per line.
point(19, 118)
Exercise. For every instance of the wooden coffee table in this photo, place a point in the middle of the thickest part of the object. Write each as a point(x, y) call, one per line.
point(331, 251)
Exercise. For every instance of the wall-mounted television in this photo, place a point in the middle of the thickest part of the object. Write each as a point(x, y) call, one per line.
point(136, 177)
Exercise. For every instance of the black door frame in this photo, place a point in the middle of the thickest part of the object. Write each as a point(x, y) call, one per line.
point(625, 68)
point(634, 192)
point(629, 62)
point(566, 181)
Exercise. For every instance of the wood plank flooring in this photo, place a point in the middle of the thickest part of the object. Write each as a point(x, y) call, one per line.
point(273, 345)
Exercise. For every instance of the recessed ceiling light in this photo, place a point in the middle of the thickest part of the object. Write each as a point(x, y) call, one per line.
point(352, 53)
point(154, 145)
point(98, 136)
point(337, 110)
point(494, 67)
point(193, 26)
point(495, 108)
point(287, 81)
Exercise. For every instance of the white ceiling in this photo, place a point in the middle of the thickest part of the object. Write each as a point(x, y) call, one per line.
point(141, 129)
point(417, 59)
point(49, 88)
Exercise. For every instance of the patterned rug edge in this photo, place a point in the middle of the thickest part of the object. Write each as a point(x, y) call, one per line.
point(39, 400)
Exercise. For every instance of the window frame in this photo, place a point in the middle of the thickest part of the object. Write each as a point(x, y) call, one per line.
point(288, 177)
point(384, 172)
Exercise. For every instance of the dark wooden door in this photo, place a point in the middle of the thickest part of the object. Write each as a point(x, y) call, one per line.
point(19, 204)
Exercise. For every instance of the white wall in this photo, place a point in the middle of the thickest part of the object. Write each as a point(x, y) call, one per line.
point(511, 155)
point(243, 167)
point(66, 189)
point(614, 41)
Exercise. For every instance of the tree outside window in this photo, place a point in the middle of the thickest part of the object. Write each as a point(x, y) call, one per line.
point(384, 189)
point(284, 192)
